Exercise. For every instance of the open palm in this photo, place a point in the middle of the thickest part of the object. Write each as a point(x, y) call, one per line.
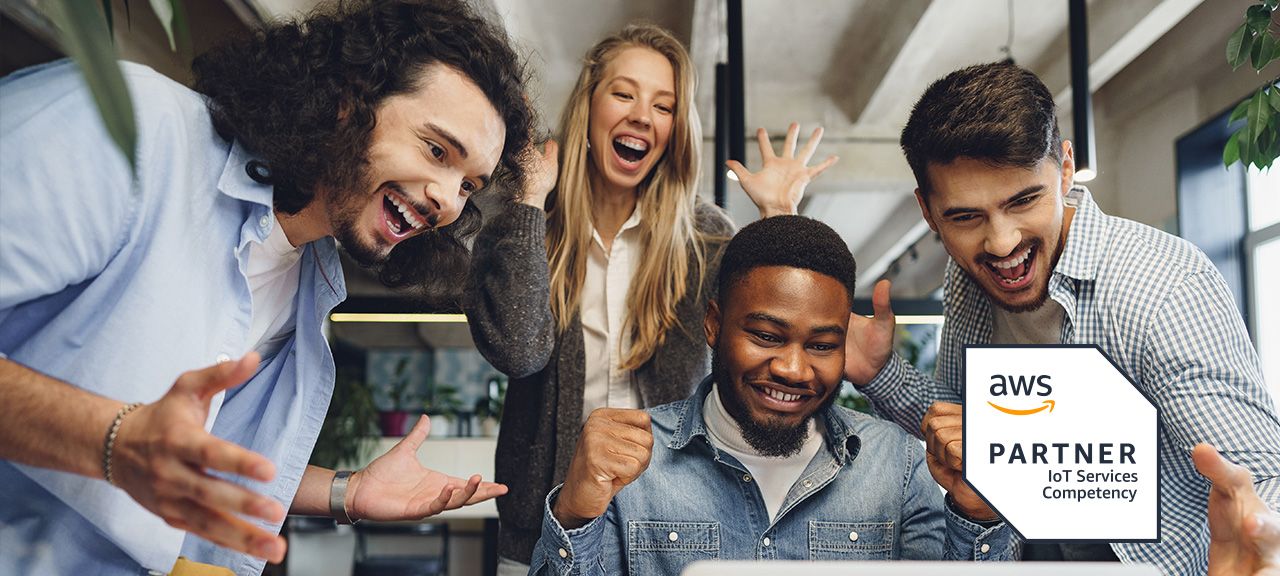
point(779, 185)
point(396, 486)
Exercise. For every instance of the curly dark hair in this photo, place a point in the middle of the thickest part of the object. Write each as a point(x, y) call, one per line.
point(791, 241)
point(302, 96)
point(999, 113)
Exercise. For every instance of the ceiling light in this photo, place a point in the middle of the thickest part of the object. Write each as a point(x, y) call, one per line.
point(372, 317)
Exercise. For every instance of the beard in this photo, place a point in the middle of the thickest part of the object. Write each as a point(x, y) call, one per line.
point(773, 437)
point(344, 217)
point(1042, 295)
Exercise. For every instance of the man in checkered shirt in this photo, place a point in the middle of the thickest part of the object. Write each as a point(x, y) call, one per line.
point(1034, 261)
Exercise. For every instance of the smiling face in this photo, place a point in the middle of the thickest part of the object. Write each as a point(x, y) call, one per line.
point(431, 149)
point(779, 352)
point(632, 112)
point(1003, 225)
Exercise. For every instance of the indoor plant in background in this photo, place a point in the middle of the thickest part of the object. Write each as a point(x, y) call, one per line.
point(395, 420)
point(488, 409)
point(1257, 141)
point(443, 406)
point(350, 429)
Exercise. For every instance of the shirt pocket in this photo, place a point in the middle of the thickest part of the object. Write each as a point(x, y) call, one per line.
point(850, 540)
point(667, 547)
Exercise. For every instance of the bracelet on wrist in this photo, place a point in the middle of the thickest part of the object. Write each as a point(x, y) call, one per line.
point(109, 444)
point(338, 497)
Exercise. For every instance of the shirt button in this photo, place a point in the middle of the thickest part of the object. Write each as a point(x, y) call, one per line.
point(808, 483)
point(673, 536)
point(853, 536)
point(564, 553)
point(223, 358)
point(746, 477)
point(265, 221)
point(766, 540)
point(985, 548)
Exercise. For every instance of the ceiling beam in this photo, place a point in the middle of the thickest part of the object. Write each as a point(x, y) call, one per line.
point(1119, 32)
point(874, 36)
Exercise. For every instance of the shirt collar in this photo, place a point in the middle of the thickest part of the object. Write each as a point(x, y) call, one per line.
point(841, 435)
point(236, 183)
point(1079, 258)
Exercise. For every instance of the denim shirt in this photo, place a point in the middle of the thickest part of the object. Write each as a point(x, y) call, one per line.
point(117, 283)
point(866, 495)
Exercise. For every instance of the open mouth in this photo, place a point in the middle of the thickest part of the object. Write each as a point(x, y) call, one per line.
point(630, 150)
point(400, 216)
point(782, 400)
point(1014, 272)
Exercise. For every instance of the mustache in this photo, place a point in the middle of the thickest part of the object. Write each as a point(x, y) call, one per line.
point(432, 218)
point(986, 258)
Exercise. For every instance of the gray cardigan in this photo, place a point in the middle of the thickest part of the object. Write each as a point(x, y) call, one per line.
point(507, 302)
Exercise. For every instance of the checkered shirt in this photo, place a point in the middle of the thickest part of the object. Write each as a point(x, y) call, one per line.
point(1159, 308)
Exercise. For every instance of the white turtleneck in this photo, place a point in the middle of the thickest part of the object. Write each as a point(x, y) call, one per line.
point(773, 475)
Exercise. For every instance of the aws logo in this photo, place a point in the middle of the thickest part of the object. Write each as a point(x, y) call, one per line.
point(1019, 386)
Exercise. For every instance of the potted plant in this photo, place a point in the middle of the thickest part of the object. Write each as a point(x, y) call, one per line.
point(350, 425)
point(489, 409)
point(443, 407)
point(393, 421)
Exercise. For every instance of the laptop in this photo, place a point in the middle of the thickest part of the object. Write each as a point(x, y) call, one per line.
point(909, 568)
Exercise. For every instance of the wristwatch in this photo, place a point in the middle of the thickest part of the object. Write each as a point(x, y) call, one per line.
point(338, 497)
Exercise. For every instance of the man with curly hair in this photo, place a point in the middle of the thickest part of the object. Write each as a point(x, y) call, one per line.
point(372, 124)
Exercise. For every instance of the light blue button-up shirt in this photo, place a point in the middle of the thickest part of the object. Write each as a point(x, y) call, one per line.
point(118, 284)
point(866, 495)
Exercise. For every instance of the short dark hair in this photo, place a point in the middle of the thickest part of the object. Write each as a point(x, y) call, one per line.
point(302, 95)
point(791, 241)
point(998, 113)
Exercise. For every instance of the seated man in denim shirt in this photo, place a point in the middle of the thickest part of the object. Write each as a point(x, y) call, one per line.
point(758, 463)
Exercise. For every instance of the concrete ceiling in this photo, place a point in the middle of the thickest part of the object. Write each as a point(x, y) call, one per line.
point(853, 66)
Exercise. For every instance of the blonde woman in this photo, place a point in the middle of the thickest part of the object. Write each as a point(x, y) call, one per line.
point(597, 302)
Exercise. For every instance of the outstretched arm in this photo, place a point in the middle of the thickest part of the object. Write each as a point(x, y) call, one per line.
point(162, 455)
point(395, 486)
point(779, 186)
point(1244, 534)
point(508, 294)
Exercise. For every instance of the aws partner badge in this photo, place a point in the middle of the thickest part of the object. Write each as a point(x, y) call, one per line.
point(1061, 443)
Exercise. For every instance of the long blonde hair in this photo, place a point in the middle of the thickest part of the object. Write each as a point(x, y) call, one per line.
point(666, 202)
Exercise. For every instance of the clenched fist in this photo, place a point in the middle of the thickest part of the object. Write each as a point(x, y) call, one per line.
point(613, 451)
point(943, 429)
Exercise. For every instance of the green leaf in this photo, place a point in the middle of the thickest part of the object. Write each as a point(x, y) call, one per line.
point(164, 11)
point(1272, 4)
point(111, 21)
point(1245, 145)
point(1238, 46)
point(1264, 51)
point(1257, 117)
point(1257, 18)
point(1273, 94)
point(85, 39)
point(1240, 110)
point(181, 33)
point(1231, 152)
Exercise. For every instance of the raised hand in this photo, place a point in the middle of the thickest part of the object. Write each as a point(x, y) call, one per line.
point(613, 451)
point(870, 341)
point(1244, 534)
point(541, 172)
point(396, 486)
point(779, 185)
point(943, 429)
point(163, 454)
